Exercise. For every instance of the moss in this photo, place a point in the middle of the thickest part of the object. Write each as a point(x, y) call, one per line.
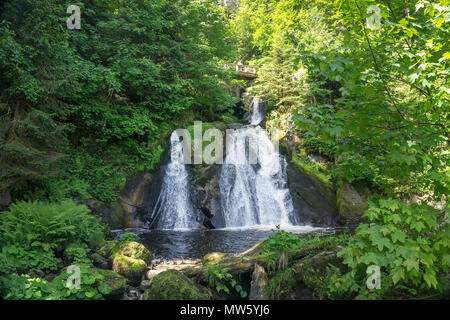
point(129, 258)
point(213, 258)
point(174, 285)
point(309, 167)
point(115, 281)
point(351, 204)
point(312, 271)
point(206, 126)
point(108, 248)
point(132, 269)
point(135, 250)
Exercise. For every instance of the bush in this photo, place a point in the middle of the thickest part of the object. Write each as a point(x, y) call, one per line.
point(34, 231)
point(48, 225)
point(409, 244)
point(283, 241)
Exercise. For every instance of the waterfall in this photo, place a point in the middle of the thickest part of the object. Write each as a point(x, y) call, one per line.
point(253, 181)
point(256, 116)
point(173, 209)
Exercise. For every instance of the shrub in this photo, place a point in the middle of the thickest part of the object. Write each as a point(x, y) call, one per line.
point(48, 225)
point(409, 242)
point(33, 231)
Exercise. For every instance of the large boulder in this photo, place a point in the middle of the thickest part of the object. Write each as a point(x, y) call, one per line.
point(313, 199)
point(135, 250)
point(351, 204)
point(174, 285)
point(130, 268)
point(130, 259)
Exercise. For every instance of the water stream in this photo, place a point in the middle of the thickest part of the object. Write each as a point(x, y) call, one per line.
point(253, 190)
point(173, 209)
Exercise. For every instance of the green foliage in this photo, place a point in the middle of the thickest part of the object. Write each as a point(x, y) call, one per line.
point(128, 236)
point(409, 242)
point(387, 118)
point(77, 253)
point(81, 110)
point(282, 241)
point(220, 279)
point(92, 286)
point(281, 284)
point(34, 230)
point(23, 287)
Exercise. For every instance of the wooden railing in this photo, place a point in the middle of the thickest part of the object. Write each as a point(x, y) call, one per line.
point(244, 71)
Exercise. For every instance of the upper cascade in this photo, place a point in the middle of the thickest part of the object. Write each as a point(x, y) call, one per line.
point(253, 181)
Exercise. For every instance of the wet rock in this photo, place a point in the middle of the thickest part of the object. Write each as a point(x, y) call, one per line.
point(258, 284)
point(131, 294)
point(208, 224)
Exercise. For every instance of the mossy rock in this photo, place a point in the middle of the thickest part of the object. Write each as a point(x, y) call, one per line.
point(174, 285)
point(135, 250)
point(108, 248)
point(351, 204)
point(132, 269)
point(100, 261)
point(213, 257)
point(115, 281)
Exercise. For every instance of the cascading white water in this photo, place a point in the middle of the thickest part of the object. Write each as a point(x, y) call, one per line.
point(173, 209)
point(253, 181)
point(257, 116)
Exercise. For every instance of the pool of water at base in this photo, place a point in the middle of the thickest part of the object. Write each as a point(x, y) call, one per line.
point(194, 244)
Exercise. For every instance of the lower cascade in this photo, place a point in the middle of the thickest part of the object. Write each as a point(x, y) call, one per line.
point(173, 209)
point(253, 181)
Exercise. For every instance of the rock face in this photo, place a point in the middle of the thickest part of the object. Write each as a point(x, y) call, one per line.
point(258, 284)
point(313, 200)
point(205, 195)
point(174, 285)
point(351, 204)
point(128, 211)
point(5, 199)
